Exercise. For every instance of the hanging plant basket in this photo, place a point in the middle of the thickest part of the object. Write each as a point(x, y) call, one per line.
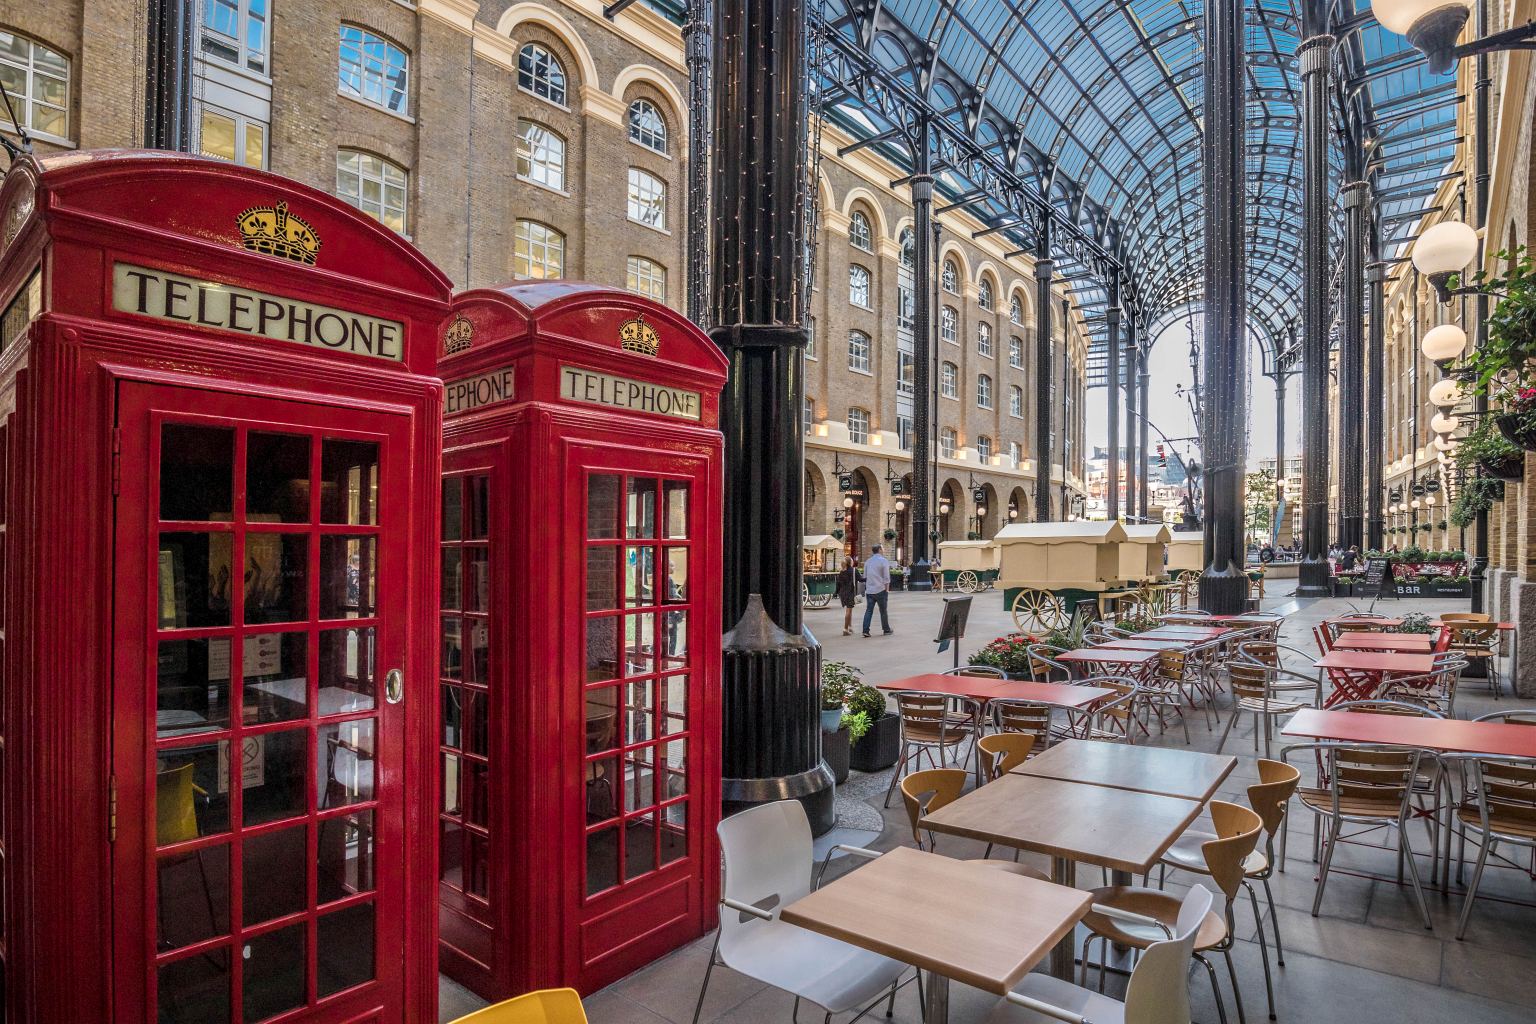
point(1511, 468)
point(1518, 430)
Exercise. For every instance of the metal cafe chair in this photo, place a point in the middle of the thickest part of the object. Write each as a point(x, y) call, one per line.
point(1477, 641)
point(1435, 690)
point(1025, 717)
point(1272, 656)
point(929, 727)
point(1498, 806)
point(1253, 695)
point(1043, 668)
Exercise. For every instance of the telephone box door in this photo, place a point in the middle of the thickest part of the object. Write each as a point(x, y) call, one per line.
point(259, 722)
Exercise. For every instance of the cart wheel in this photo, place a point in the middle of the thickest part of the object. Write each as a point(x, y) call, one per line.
point(1037, 609)
point(1189, 590)
point(967, 582)
point(820, 600)
point(805, 596)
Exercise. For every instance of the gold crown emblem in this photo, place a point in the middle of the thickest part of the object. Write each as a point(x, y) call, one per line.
point(276, 232)
point(459, 335)
point(638, 336)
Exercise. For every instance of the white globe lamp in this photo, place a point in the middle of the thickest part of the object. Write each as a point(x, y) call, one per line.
point(1444, 343)
point(1446, 393)
point(1444, 424)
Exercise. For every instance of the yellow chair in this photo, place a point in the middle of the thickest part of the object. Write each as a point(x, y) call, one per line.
point(549, 1006)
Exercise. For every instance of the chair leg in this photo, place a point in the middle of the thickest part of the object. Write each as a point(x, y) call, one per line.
point(890, 1007)
point(1237, 992)
point(698, 1007)
point(1258, 920)
point(1221, 1007)
point(1322, 875)
point(896, 775)
point(1082, 971)
point(1274, 919)
point(1405, 851)
point(1227, 731)
point(1477, 880)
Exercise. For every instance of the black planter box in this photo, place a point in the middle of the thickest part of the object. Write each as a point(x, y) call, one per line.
point(834, 751)
point(879, 748)
point(898, 581)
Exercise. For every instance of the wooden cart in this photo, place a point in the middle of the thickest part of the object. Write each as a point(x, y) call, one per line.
point(821, 555)
point(967, 565)
point(1047, 569)
point(1186, 559)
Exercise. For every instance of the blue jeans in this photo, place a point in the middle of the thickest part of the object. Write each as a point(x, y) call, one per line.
point(871, 601)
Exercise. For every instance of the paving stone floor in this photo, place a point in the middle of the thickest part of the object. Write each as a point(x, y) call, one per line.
point(1366, 959)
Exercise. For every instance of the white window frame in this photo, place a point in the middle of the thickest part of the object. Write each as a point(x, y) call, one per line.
point(984, 446)
point(1016, 311)
point(907, 241)
point(243, 125)
point(647, 136)
point(985, 295)
point(949, 325)
point(863, 240)
point(240, 42)
point(645, 276)
point(647, 200)
point(553, 85)
point(808, 414)
point(1015, 401)
point(1015, 351)
point(949, 277)
point(949, 442)
point(31, 72)
point(984, 339)
point(860, 283)
point(548, 151)
point(904, 432)
point(858, 351)
point(810, 338)
point(1016, 453)
point(858, 425)
point(374, 71)
point(906, 369)
point(365, 173)
point(524, 236)
point(949, 380)
point(983, 391)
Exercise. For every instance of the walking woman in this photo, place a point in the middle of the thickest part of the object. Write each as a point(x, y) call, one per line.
point(848, 593)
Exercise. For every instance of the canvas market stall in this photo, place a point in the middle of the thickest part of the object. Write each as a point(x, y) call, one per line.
point(1047, 569)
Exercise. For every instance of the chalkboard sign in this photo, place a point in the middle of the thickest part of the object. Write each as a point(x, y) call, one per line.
point(1378, 578)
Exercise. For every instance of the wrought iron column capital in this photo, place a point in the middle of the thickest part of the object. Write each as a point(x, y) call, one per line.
point(1315, 54)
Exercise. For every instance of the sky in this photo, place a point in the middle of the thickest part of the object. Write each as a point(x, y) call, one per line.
point(1168, 365)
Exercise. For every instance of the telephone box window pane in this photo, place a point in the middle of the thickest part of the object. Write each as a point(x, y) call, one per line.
point(638, 709)
point(453, 716)
point(277, 478)
point(602, 798)
point(602, 860)
point(479, 508)
point(273, 766)
point(192, 890)
point(640, 846)
point(602, 649)
point(477, 595)
point(677, 641)
point(276, 669)
point(194, 575)
point(639, 779)
point(674, 833)
point(344, 942)
point(197, 473)
point(273, 972)
point(191, 687)
point(275, 873)
point(453, 569)
point(602, 719)
point(348, 571)
point(453, 509)
point(676, 754)
point(477, 881)
point(676, 590)
point(345, 858)
point(347, 671)
point(639, 643)
point(195, 990)
point(674, 696)
point(276, 577)
point(453, 648)
point(191, 793)
point(345, 767)
point(452, 770)
point(602, 578)
point(602, 506)
point(477, 733)
point(480, 650)
point(675, 495)
point(477, 787)
point(349, 490)
point(639, 576)
point(640, 518)
point(450, 852)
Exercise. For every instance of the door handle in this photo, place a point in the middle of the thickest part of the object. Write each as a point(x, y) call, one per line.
point(394, 686)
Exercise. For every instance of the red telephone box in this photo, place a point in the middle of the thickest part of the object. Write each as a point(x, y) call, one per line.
point(580, 671)
point(221, 431)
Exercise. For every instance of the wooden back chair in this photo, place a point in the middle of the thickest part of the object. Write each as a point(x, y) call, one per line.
point(1501, 808)
point(1002, 752)
point(1021, 716)
point(548, 1006)
point(925, 792)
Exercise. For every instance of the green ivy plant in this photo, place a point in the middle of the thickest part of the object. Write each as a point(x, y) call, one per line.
point(857, 723)
point(1507, 355)
point(1477, 495)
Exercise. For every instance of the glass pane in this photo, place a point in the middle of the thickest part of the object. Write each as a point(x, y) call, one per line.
point(602, 797)
point(346, 670)
point(477, 793)
point(273, 972)
point(189, 800)
point(640, 515)
point(453, 716)
point(676, 754)
point(675, 497)
point(453, 508)
point(602, 719)
point(192, 892)
point(637, 712)
point(479, 508)
point(639, 576)
point(453, 568)
point(602, 506)
point(676, 653)
point(480, 649)
point(452, 666)
point(345, 764)
point(273, 775)
point(276, 669)
point(602, 860)
point(195, 990)
point(349, 488)
point(255, 144)
point(275, 875)
point(639, 778)
point(197, 473)
point(277, 478)
point(477, 880)
point(477, 592)
point(347, 576)
point(451, 790)
point(276, 577)
point(217, 137)
point(450, 852)
point(639, 643)
point(345, 859)
point(674, 832)
point(191, 686)
point(477, 734)
point(676, 591)
point(344, 949)
point(602, 578)
point(194, 577)
point(640, 846)
point(602, 649)
point(674, 700)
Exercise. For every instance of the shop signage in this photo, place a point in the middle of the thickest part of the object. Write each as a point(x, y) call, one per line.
point(578, 385)
point(470, 393)
point(167, 296)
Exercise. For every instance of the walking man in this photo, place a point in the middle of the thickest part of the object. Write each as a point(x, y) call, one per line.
point(877, 587)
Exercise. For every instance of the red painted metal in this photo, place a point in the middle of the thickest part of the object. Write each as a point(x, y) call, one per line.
point(1497, 739)
point(164, 442)
point(986, 689)
point(600, 794)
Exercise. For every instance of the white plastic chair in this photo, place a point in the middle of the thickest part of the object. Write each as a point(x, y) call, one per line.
point(1158, 991)
point(768, 859)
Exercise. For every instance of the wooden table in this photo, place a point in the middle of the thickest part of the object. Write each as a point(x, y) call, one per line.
point(954, 919)
point(984, 689)
point(1451, 735)
point(1070, 822)
point(1357, 675)
point(1406, 643)
point(1160, 770)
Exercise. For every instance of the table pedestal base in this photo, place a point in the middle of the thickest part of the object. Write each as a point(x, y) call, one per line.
point(936, 1000)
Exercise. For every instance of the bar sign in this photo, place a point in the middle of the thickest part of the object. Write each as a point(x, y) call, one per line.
point(470, 393)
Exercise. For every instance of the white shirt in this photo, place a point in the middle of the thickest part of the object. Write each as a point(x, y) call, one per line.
point(877, 574)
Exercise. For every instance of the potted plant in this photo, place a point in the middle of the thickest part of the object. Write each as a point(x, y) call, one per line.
point(837, 679)
point(838, 533)
point(1485, 448)
point(1508, 348)
point(1414, 622)
point(878, 748)
point(1009, 653)
point(1477, 495)
point(1517, 421)
point(889, 535)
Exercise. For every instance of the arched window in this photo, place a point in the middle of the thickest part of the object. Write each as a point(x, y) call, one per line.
point(647, 277)
point(858, 351)
point(1016, 352)
point(949, 380)
point(984, 293)
point(949, 325)
point(858, 286)
point(647, 199)
point(540, 155)
point(1016, 310)
point(984, 339)
point(1015, 401)
point(646, 126)
point(538, 251)
point(373, 185)
point(950, 278)
point(983, 391)
point(372, 69)
point(858, 425)
point(949, 441)
point(541, 73)
point(908, 249)
point(858, 232)
point(984, 446)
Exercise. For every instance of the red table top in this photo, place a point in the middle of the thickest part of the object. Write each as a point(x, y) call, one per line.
point(984, 689)
point(1377, 661)
point(1408, 643)
point(1447, 734)
point(1185, 632)
point(1390, 623)
point(1144, 643)
point(1107, 655)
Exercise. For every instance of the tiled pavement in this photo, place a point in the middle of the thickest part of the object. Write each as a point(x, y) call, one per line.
point(1367, 959)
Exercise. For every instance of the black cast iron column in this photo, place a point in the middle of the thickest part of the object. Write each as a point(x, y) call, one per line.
point(1375, 394)
point(1224, 583)
point(1144, 380)
point(696, 42)
point(1357, 198)
point(771, 688)
point(1112, 332)
point(922, 355)
point(1132, 413)
point(168, 75)
point(1316, 56)
point(1043, 411)
point(1280, 375)
point(1480, 176)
